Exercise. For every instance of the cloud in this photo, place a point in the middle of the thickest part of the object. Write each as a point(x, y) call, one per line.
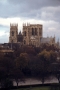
point(45, 12)
point(51, 13)
point(36, 3)
point(4, 39)
point(49, 27)
point(25, 8)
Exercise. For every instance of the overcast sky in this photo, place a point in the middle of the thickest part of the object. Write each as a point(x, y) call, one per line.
point(45, 12)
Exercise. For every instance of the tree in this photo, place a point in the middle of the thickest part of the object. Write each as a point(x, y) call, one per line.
point(7, 83)
point(6, 67)
point(44, 55)
point(53, 56)
point(44, 63)
point(18, 75)
point(22, 61)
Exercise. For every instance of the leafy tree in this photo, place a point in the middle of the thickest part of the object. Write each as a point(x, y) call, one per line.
point(22, 61)
point(44, 55)
point(6, 67)
point(7, 83)
point(43, 64)
point(18, 75)
point(53, 56)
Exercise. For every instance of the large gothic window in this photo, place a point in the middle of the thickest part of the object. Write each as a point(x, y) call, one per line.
point(40, 31)
point(24, 33)
point(35, 31)
point(24, 42)
point(12, 33)
point(32, 31)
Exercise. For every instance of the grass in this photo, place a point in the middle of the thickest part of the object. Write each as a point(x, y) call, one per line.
point(53, 87)
point(34, 88)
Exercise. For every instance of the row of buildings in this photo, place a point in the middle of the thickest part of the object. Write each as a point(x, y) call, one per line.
point(32, 34)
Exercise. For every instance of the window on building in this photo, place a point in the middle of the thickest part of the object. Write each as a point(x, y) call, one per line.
point(12, 33)
point(40, 31)
point(35, 31)
point(32, 31)
point(25, 33)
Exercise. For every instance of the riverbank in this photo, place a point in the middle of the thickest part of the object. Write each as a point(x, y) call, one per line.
point(33, 81)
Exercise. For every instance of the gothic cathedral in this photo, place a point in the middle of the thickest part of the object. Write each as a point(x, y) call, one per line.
point(32, 33)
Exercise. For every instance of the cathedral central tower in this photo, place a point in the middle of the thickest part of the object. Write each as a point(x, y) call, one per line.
point(32, 34)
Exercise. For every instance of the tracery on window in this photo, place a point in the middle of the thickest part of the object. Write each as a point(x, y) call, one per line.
point(12, 33)
point(40, 31)
point(35, 31)
point(32, 31)
point(24, 33)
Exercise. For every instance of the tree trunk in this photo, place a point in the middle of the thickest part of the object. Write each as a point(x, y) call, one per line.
point(43, 80)
point(17, 84)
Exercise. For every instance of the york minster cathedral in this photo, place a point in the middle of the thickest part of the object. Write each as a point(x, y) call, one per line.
point(32, 34)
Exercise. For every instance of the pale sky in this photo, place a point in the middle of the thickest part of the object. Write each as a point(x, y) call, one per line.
point(45, 12)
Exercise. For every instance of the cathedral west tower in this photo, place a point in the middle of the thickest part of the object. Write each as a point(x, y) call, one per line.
point(13, 33)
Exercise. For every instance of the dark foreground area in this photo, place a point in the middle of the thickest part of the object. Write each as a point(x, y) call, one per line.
point(36, 87)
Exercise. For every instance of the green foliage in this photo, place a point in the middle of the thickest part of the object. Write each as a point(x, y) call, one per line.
point(22, 61)
point(44, 55)
point(6, 83)
point(29, 62)
point(35, 88)
point(53, 56)
point(48, 55)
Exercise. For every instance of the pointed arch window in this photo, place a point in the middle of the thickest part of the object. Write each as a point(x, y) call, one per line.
point(12, 33)
point(40, 31)
point(32, 31)
point(35, 31)
point(25, 33)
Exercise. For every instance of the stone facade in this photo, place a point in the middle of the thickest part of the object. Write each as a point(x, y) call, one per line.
point(13, 33)
point(32, 34)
